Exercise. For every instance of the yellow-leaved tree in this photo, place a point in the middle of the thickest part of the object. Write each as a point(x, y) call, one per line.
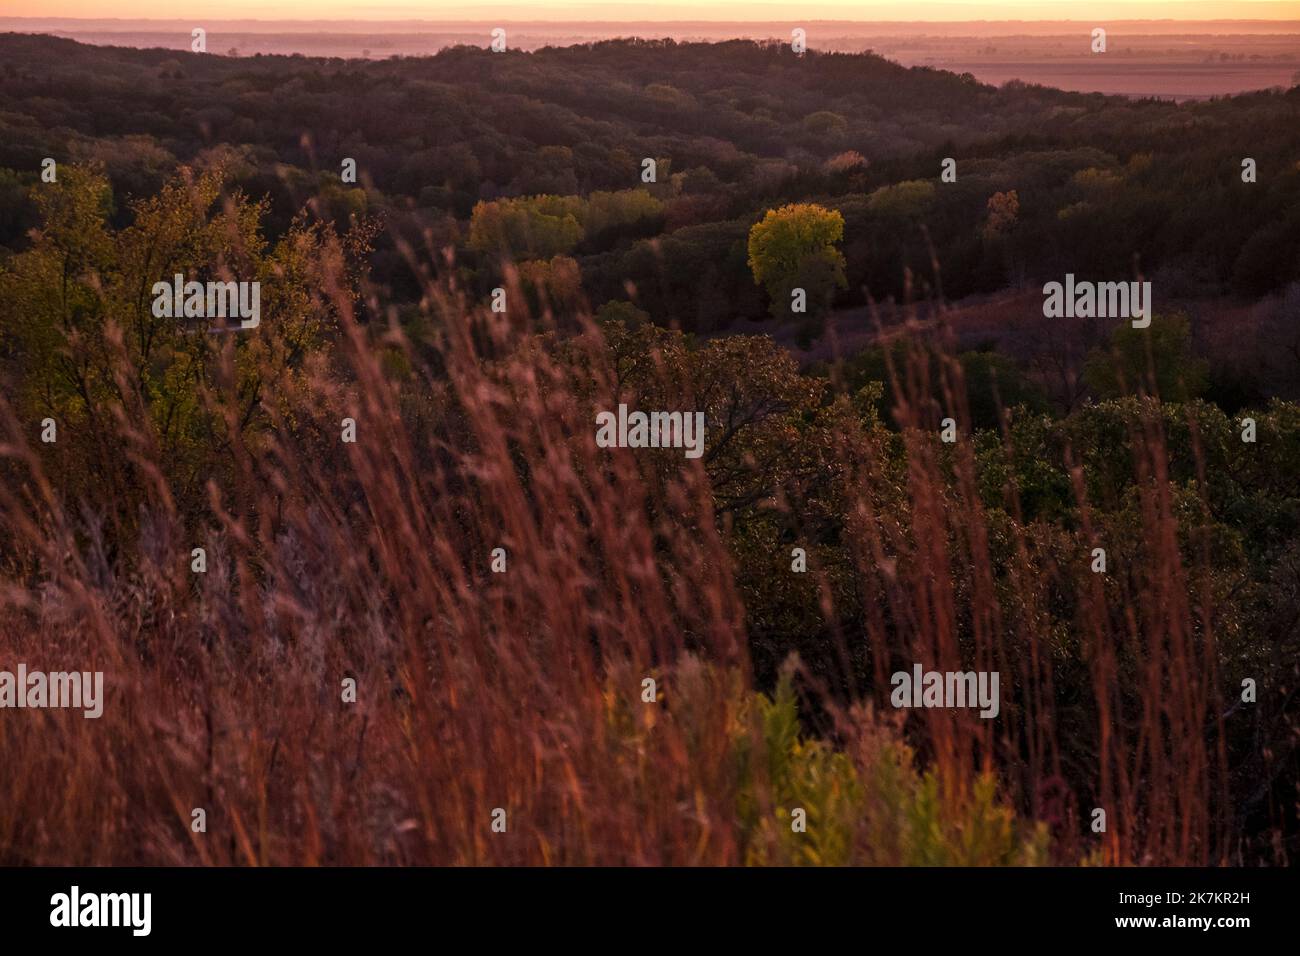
point(793, 255)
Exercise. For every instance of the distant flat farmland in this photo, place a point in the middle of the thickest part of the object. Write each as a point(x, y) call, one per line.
point(1172, 67)
point(1139, 78)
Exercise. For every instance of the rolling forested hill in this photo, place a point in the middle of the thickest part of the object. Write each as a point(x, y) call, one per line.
point(736, 127)
point(539, 157)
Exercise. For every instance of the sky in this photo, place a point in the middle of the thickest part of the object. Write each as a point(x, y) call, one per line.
point(616, 10)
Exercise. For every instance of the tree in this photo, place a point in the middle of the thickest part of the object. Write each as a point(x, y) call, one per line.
point(622, 312)
point(1004, 213)
point(1168, 370)
point(825, 123)
point(1000, 230)
point(909, 199)
point(554, 283)
point(794, 248)
point(81, 342)
point(533, 226)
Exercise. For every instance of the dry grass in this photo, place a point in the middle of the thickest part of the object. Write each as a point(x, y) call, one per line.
point(522, 690)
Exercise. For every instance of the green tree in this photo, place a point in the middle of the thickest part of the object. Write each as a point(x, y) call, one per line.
point(81, 343)
point(906, 200)
point(532, 227)
point(1157, 360)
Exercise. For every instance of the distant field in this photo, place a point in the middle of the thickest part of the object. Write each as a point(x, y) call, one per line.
point(1141, 77)
point(1192, 66)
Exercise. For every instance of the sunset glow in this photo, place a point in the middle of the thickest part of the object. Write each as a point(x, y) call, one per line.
point(731, 10)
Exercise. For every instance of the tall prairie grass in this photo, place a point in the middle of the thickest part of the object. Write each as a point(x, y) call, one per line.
point(524, 690)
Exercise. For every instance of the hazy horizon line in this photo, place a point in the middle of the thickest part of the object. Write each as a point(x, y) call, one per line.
point(641, 20)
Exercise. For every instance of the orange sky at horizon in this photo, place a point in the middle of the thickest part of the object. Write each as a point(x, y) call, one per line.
point(627, 10)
